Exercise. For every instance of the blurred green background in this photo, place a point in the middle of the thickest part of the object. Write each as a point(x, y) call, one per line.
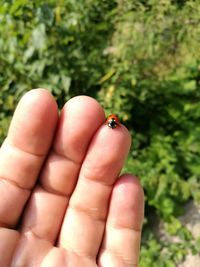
point(139, 59)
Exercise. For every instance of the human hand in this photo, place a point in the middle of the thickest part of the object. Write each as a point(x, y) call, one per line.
point(61, 201)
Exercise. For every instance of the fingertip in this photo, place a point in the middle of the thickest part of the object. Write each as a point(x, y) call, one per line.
point(34, 121)
point(39, 97)
point(124, 223)
point(114, 125)
point(128, 198)
point(86, 103)
point(133, 183)
point(80, 118)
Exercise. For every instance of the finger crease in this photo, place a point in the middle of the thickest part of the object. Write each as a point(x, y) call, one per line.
point(67, 158)
point(127, 262)
point(89, 212)
point(30, 232)
point(52, 191)
point(14, 183)
point(38, 155)
point(98, 181)
point(80, 253)
point(118, 226)
point(7, 226)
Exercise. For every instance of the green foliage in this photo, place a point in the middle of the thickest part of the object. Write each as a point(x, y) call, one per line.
point(140, 59)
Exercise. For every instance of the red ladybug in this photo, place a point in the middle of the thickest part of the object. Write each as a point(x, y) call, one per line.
point(112, 121)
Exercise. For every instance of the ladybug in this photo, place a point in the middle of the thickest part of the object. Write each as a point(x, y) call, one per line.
point(112, 121)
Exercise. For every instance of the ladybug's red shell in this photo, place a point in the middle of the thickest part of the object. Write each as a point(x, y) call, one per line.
point(112, 121)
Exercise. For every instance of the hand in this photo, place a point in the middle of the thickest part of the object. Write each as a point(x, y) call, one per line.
point(61, 201)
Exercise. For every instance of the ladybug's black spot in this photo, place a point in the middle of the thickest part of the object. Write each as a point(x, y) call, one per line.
point(112, 124)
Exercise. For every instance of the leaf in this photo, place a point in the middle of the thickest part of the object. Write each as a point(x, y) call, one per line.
point(29, 53)
point(107, 76)
point(45, 15)
point(39, 37)
point(66, 82)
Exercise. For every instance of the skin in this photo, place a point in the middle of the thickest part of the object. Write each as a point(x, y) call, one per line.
point(62, 200)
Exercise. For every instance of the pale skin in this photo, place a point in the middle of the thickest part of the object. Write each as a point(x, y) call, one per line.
point(62, 202)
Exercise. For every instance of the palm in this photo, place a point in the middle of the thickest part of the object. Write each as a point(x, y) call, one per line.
point(61, 204)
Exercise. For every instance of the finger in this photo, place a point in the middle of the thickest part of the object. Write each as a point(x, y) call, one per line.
point(80, 118)
point(24, 150)
point(9, 239)
point(121, 242)
point(84, 221)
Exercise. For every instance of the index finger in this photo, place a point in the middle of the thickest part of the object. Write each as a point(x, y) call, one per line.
point(24, 150)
